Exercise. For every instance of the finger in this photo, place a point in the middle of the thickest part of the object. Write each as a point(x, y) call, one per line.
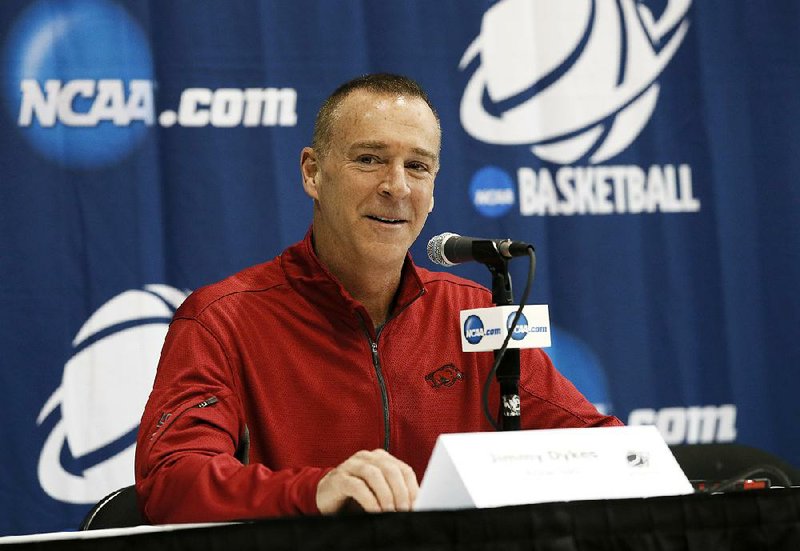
point(399, 476)
point(358, 490)
point(411, 484)
point(338, 488)
point(395, 477)
point(403, 480)
point(375, 477)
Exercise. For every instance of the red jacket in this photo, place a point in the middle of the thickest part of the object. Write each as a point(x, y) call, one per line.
point(282, 351)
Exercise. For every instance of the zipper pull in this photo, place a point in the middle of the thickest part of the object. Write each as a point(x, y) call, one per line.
point(208, 402)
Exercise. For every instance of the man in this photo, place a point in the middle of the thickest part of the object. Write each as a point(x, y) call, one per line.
point(307, 384)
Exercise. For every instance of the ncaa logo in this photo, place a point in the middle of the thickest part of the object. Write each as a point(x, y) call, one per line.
point(521, 329)
point(79, 81)
point(473, 329)
point(574, 80)
point(492, 192)
point(102, 395)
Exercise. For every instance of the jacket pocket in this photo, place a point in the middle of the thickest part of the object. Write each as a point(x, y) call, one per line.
point(168, 418)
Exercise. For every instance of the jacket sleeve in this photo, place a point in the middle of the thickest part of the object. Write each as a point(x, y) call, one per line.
point(191, 428)
point(550, 400)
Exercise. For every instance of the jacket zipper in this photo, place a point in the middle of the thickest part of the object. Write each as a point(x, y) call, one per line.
point(168, 419)
point(384, 394)
point(208, 402)
point(379, 373)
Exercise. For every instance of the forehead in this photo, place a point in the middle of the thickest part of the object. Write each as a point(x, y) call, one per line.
point(393, 118)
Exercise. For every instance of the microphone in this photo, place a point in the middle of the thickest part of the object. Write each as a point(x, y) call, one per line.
point(449, 249)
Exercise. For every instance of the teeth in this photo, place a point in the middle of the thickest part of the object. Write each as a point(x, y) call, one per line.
point(387, 220)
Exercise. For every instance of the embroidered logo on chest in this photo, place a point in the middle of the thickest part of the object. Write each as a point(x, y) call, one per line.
point(447, 375)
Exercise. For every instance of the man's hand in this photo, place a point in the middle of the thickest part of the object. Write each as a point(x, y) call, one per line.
point(376, 480)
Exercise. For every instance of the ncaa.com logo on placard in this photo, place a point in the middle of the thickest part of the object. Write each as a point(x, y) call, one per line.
point(82, 100)
point(576, 82)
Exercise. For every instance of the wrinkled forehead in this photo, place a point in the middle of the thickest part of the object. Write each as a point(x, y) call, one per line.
point(369, 116)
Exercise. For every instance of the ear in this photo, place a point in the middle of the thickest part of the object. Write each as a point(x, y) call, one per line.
point(430, 210)
point(309, 168)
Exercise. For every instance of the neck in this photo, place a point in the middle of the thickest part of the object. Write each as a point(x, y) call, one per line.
point(373, 286)
point(376, 292)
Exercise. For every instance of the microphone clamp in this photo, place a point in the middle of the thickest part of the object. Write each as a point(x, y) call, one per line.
point(449, 249)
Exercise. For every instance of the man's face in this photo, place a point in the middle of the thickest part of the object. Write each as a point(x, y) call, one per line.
point(373, 188)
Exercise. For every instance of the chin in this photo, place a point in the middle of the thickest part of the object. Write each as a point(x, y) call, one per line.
point(389, 252)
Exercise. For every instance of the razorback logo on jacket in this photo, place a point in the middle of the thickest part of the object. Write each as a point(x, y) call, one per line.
point(447, 375)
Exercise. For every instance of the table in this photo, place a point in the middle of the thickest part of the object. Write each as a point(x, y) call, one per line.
point(748, 520)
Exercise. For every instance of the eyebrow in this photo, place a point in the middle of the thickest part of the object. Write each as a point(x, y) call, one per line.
point(380, 146)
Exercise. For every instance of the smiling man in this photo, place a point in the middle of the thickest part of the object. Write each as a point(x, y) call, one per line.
point(308, 383)
point(372, 180)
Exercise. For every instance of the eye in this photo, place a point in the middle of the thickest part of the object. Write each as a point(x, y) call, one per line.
point(367, 159)
point(417, 166)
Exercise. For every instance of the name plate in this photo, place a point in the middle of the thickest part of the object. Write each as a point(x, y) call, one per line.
point(484, 329)
point(494, 469)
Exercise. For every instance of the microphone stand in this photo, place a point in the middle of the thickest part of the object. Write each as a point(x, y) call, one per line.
point(508, 370)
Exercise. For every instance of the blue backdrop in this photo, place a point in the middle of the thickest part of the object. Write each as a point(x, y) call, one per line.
point(649, 149)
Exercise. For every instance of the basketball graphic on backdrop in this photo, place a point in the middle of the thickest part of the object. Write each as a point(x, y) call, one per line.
point(571, 79)
point(102, 395)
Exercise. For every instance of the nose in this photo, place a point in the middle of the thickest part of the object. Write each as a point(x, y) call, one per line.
point(395, 182)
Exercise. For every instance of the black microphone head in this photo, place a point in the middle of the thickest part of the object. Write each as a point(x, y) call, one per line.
point(436, 249)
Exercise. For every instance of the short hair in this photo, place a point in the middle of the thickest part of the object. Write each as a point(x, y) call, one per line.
point(379, 83)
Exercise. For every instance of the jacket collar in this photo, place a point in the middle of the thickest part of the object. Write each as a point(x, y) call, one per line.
point(309, 278)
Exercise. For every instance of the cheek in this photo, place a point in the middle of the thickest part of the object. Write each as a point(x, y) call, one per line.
point(424, 199)
point(344, 201)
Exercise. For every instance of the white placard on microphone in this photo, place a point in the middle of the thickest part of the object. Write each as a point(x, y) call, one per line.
point(494, 469)
point(484, 329)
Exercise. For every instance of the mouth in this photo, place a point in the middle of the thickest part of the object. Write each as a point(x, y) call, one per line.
point(390, 221)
